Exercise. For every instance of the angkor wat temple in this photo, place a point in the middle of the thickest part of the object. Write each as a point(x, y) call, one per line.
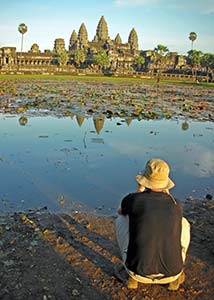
point(121, 56)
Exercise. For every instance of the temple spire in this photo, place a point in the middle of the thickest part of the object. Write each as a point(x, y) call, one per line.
point(73, 40)
point(80, 119)
point(83, 36)
point(133, 39)
point(98, 124)
point(118, 39)
point(102, 30)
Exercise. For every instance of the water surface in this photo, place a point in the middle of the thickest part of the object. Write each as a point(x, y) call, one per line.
point(59, 163)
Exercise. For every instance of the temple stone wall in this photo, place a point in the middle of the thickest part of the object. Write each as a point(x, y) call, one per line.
point(121, 56)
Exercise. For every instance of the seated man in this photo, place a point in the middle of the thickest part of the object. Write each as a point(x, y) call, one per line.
point(152, 234)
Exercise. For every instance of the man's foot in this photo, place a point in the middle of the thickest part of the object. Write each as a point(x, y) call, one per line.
point(132, 283)
point(174, 285)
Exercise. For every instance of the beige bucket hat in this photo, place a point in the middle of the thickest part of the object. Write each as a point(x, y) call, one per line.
point(155, 175)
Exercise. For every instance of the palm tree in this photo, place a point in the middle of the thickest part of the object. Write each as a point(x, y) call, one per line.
point(79, 57)
point(185, 125)
point(207, 61)
point(22, 29)
point(159, 57)
point(23, 121)
point(194, 59)
point(192, 37)
point(63, 58)
point(138, 62)
point(101, 59)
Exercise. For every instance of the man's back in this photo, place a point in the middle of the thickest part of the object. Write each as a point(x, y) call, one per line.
point(154, 233)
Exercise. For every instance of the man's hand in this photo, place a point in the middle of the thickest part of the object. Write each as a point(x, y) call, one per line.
point(141, 188)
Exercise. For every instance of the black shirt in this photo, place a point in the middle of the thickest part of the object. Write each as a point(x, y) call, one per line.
point(154, 233)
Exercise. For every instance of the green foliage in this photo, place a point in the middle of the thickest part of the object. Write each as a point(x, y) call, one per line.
point(22, 28)
point(63, 58)
point(138, 62)
point(79, 57)
point(194, 58)
point(185, 126)
point(27, 77)
point(160, 56)
point(161, 50)
point(192, 37)
point(207, 61)
point(101, 59)
point(23, 121)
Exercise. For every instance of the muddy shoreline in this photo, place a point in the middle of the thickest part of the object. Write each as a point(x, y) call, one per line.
point(72, 256)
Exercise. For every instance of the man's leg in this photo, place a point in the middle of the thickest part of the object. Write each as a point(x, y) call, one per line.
point(185, 237)
point(122, 235)
point(185, 240)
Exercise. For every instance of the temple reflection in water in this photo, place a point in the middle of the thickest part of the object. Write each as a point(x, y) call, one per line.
point(98, 124)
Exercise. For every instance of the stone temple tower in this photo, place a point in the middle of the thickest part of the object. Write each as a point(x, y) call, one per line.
point(118, 39)
point(133, 39)
point(102, 31)
point(82, 36)
point(73, 41)
point(34, 48)
point(59, 45)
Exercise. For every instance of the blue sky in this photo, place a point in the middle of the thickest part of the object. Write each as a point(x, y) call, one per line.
point(166, 22)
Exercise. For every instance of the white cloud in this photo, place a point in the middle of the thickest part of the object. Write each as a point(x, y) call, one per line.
point(121, 3)
point(199, 162)
point(201, 6)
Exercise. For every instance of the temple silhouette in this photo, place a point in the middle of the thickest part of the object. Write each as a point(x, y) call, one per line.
point(79, 59)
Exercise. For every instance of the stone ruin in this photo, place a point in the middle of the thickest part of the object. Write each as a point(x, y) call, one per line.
point(121, 56)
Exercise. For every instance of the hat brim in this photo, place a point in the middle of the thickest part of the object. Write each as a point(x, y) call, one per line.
point(150, 184)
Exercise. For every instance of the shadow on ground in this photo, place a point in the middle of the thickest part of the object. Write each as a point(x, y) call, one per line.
point(72, 256)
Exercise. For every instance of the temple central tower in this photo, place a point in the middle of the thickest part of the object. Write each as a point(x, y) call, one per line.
point(102, 31)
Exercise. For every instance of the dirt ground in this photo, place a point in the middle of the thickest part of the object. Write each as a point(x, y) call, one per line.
point(72, 256)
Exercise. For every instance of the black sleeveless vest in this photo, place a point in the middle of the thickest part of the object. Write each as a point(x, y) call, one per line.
point(154, 234)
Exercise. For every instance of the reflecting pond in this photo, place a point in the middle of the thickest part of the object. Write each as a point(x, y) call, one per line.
point(70, 162)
